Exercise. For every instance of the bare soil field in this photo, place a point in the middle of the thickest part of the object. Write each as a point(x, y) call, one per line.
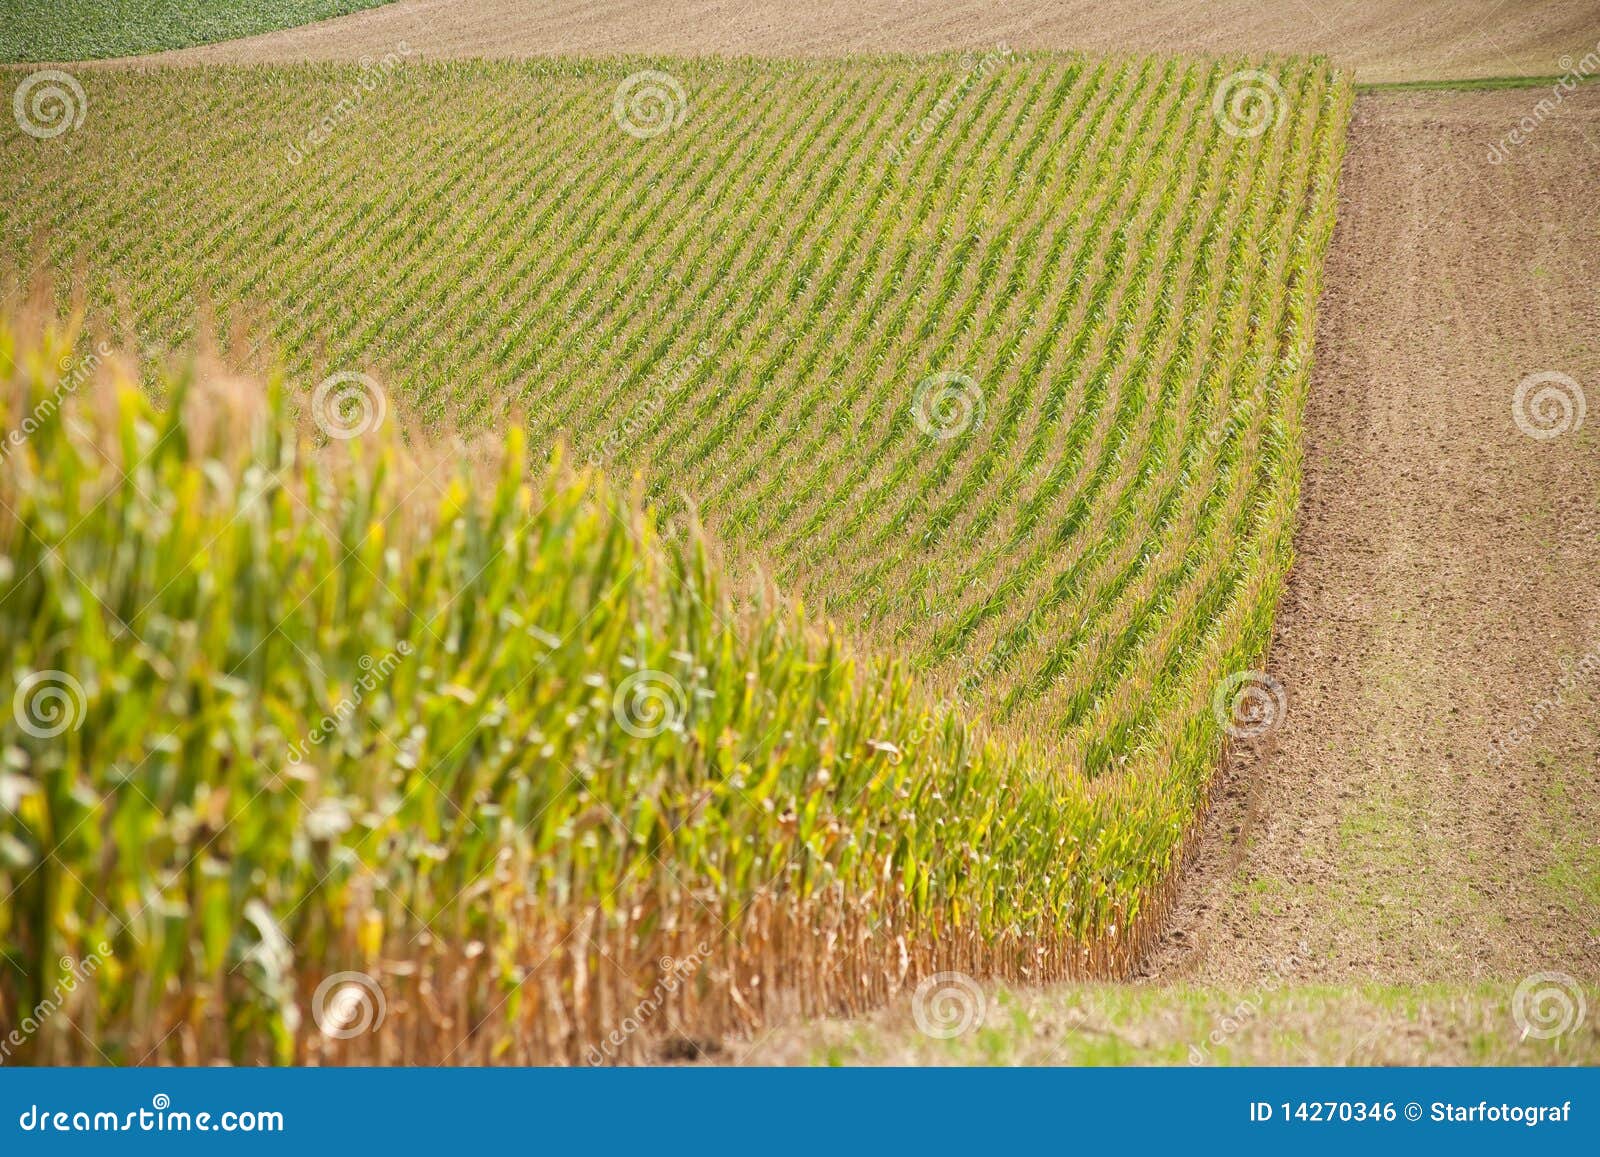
point(1430, 39)
point(1446, 595)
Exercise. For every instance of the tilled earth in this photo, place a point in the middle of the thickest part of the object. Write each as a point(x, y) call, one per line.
point(1427, 39)
point(1447, 583)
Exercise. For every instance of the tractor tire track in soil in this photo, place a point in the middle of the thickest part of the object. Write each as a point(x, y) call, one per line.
point(1447, 581)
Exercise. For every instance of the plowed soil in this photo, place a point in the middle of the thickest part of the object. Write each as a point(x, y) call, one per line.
point(1447, 583)
point(1428, 39)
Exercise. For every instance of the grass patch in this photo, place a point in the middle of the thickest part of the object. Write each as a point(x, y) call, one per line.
point(1488, 83)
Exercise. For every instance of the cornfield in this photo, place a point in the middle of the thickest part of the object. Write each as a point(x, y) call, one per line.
point(997, 365)
point(85, 29)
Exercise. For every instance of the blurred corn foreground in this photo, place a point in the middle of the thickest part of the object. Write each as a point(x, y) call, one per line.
point(365, 751)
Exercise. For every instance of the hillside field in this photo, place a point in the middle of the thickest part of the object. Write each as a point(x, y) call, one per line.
point(900, 532)
point(997, 362)
point(1373, 40)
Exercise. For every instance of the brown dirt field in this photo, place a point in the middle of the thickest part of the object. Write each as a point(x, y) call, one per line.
point(1429, 39)
point(1448, 580)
